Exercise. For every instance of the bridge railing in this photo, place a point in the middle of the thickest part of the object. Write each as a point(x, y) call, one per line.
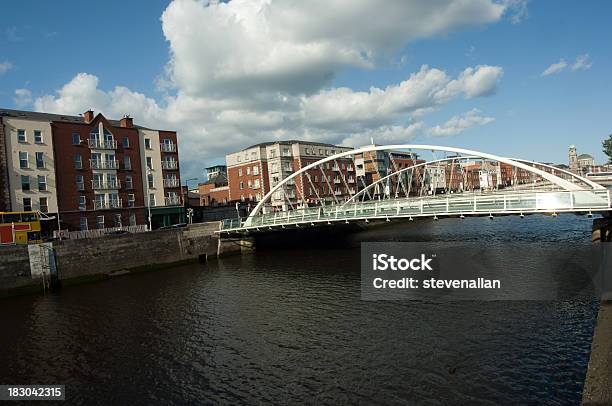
point(515, 202)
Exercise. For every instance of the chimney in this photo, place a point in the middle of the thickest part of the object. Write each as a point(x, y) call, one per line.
point(88, 116)
point(126, 122)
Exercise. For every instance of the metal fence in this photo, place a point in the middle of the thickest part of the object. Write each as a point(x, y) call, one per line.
point(75, 235)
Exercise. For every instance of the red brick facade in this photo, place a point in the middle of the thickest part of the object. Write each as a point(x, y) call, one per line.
point(68, 192)
point(5, 196)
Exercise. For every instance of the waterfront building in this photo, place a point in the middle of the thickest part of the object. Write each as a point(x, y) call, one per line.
point(255, 170)
point(215, 191)
point(90, 171)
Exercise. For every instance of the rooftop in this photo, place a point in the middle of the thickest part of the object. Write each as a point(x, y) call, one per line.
point(585, 156)
point(65, 118)
point(288, 142)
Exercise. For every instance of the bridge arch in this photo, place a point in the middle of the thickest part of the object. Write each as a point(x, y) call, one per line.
point(555, 180)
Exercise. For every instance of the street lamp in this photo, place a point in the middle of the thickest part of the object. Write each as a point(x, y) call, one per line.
point(149, 199)
point(186, 198)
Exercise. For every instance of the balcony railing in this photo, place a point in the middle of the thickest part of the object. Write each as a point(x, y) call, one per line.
point(104, 185)
point(109, 204)
point(97, 164)
point(168, 147)
point(349, 168)
point(169, 164)
point(173, 201)
point(338, 192)
point(351, 180)
point(102, 144)
point(172, 182)
point(335, 168)
point(337, 180)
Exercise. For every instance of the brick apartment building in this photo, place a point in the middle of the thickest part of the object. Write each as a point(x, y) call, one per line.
point(91, 171)
point(215, 191)
point(255, 170)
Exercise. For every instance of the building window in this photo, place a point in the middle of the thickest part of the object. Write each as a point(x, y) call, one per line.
point(239, 171)
point(147, 143)
point(42, 183)
point(151, 199)
point(117, 220)
point(250, 184)
point(83, 223)
point(256, 170)
point(149, 162)
point(23, 159)
point(38, 138)
point(99, 222)
point(25, 183)
point(248, 170)
point(132, 219)
point(126, 142)
point(128, 183)
point(40, 160)
point(150, 181)
point(78, 161)
point(27, 204)
point(82, 203)
point(21, 135)
point(43, 205)
point(285, 151)
point(80, 182)
point(131, 200)
point(241, 185)
point(256, 184)
point(127, 163)
point(76, 140)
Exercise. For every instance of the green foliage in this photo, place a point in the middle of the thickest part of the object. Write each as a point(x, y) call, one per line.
point(607, 148)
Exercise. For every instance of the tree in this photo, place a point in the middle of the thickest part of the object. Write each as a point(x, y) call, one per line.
point(607, 148)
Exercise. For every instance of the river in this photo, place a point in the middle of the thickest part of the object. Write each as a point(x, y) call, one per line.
point(288, 327)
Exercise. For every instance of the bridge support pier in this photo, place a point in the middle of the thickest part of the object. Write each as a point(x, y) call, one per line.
point(602, 229)
point(598, 383)
point(235, 246)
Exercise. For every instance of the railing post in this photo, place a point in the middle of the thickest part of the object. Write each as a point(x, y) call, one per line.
point(504, 202)
point(336, 212)
point(355, 215)
point(572, 199)
point(609, 198)
point(421, 203)
point(474, 208)
point(274, 220)
point(375, 209)
point(447, 205)
point(398, 207)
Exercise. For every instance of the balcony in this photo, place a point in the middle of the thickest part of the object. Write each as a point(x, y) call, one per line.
point(102, 185)
point(337, 180)
point(102, 144)
point(349, 168)
point(110, 204)
point(168, 147)
point(169, 165)
point(338, 193)
point(335, 168)
point(97, 164)
point(172, 201)
point(172, 182)
point(351, 180)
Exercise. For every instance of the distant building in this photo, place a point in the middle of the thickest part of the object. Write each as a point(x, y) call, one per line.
point(215, 191)
point(580, 164)
point(255, 170)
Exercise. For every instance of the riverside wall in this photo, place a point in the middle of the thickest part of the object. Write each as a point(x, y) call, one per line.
point(98, 258)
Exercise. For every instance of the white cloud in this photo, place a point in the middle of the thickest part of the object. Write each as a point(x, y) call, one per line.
point(517, 9)
point(23, 97)
point(295, 46)
point(5, 67)
point(582, 63)
point(555, 67)
point(258, 70)
point(460, 123)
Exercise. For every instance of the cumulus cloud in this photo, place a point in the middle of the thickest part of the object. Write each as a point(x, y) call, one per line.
point(249, 71)
point(582, 63)
point(23, 97)
point(460, 123)
point(5, 67)
point(517, 9)
point(555, 67)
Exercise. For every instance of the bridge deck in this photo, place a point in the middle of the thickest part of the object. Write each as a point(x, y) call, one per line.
point(500, 203)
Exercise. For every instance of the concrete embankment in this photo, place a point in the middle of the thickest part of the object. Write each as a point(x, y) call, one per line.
point(98, 258)
point(598, 383)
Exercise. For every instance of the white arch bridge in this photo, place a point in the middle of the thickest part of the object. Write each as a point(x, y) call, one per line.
point(398, 182)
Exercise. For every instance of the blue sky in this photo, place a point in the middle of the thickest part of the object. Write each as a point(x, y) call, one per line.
point(46, 44)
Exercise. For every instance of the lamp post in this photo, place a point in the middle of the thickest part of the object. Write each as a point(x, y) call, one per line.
point(149, 199)
point(186, 198)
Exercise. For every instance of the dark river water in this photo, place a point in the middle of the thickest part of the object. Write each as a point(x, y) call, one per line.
point(288, 327)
